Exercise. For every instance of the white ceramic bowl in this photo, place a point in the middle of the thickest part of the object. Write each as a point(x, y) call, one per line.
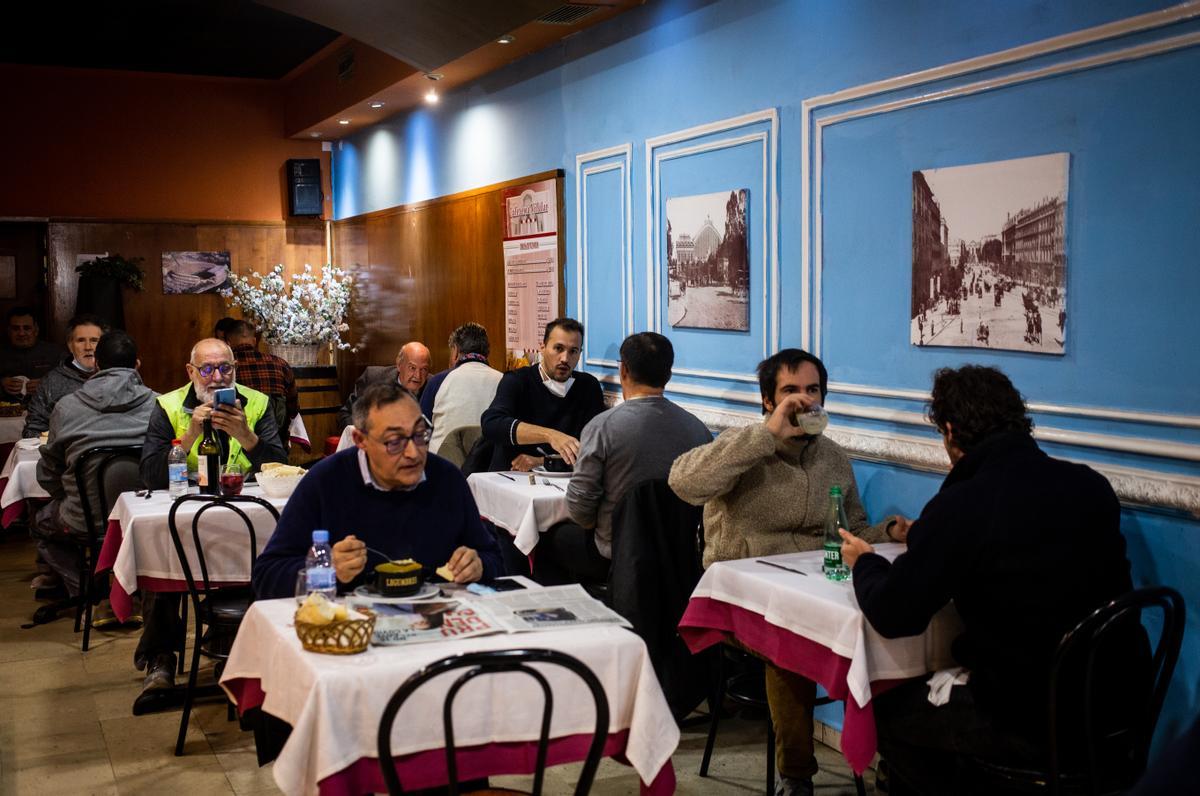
point(278, 486)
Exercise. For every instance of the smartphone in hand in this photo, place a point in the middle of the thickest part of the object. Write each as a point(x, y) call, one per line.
point(226, 396)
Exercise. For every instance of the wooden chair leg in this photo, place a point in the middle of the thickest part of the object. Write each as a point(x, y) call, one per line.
point(860, 787)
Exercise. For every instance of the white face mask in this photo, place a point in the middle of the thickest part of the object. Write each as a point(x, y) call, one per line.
point(814, 421)
point(558, 388)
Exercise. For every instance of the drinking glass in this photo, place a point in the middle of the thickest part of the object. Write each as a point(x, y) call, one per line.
point(232, 477)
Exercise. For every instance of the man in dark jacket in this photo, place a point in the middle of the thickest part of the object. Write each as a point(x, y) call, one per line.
point(112, 408)
point(543, 408)
point(411, 371)
point(83, 334)
point(1026, 546)
point(25, 359)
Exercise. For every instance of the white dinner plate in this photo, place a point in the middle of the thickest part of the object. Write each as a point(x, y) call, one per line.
point(424, 593)
point(540, 470)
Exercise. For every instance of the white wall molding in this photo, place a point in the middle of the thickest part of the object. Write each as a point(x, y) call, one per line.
point(582, 172)
point(1091, 412)
point(1123, 27)
point(1135, 486)
point(770, 221)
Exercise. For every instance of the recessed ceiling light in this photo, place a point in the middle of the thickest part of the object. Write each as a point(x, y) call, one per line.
point(375, 104)
point(431, 96)
point(508, 38)
point(315, 135)
point(434, 75)
point(343, 121)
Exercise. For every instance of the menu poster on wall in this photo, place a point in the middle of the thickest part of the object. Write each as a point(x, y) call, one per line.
point(530, 267)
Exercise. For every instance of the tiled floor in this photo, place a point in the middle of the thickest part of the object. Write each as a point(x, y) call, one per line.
point(66, 725)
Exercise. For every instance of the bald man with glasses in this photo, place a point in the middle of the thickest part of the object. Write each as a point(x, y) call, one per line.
point(246, 432)
point(385, 497)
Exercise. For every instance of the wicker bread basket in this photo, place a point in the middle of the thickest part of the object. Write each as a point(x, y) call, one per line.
point(339, 637)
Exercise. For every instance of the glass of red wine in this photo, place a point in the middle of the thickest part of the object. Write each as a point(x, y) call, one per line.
point(233, 475)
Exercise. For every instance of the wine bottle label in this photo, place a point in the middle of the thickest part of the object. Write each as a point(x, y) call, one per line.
point(202, 469)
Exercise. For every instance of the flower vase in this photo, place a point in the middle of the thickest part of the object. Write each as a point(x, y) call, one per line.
point(298, 356)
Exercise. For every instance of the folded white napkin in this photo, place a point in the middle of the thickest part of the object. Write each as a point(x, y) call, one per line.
point(29, 443)
point(942, 681)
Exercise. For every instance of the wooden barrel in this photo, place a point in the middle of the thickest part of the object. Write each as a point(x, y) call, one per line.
point(320, 400)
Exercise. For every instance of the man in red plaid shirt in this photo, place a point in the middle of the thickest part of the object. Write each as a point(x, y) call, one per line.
point(266, 373)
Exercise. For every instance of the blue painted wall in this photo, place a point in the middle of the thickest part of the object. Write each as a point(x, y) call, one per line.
point(1133, 241)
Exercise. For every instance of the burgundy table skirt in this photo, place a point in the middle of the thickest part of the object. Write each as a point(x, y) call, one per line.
point(427, 769)
point(708, 621)
point(121, 600)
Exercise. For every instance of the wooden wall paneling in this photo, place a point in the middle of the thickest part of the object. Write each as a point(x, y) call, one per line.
point(166, 326)
point(430, 267)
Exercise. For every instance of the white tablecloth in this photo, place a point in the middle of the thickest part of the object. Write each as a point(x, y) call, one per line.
point(524, 511)
point(11, 428)
point(827, 613)
point(21, 471)
point(334, 703)
point(147, 551)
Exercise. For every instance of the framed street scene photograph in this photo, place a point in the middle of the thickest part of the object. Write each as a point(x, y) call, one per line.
point(989, 262)
point(708, 261)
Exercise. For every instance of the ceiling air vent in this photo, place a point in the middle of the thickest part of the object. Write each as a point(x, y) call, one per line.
point(566, 15)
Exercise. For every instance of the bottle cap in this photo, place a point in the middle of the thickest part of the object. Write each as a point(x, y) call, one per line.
point(835, 490)
point(176, 442)
point(320, 537)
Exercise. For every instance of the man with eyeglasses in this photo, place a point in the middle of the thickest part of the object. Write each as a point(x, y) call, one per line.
point(385, 498)
point(246, 433)
point(411, 372)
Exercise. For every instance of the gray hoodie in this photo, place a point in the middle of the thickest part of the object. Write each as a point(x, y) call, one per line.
point(63, 380)
point(113, 407)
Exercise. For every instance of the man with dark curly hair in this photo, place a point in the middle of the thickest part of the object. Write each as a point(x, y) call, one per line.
point(1026, 546)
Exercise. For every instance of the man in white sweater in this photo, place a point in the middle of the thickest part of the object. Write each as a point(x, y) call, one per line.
point(464, 394)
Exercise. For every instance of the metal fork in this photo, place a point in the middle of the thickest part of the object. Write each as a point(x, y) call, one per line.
point(548, 482)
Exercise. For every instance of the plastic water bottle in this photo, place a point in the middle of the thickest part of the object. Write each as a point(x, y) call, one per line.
point(319, 566)
point(177, 469)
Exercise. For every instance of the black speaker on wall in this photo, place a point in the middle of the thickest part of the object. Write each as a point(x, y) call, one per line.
point(304, 186)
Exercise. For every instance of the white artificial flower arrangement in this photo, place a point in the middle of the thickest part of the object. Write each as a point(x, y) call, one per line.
point(308, 310)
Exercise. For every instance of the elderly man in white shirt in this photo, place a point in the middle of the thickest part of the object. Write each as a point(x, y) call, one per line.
point(466, 392)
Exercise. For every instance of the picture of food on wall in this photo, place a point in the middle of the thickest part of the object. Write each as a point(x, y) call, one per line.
point(195, 272)
point(989, 263)
point(708, 261)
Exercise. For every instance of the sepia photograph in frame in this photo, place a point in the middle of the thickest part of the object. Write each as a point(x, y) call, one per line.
point(195, 272)
point(708, 261)
point(989, 263)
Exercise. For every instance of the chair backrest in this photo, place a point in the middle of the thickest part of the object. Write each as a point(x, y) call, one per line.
point(458, 444)
point(201, 588)
point(493, 662)
point(101, 474)
point(1115, 626)
point(655, 568)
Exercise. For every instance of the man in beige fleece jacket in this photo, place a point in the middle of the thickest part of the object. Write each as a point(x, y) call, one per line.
point(765, 490)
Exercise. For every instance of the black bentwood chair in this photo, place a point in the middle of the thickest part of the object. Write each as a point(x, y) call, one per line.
point(1111, 751)
point(220, 610)
point(493, 662)
point(104, 471)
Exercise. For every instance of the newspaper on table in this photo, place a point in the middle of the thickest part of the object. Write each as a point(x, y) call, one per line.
point(440, 619)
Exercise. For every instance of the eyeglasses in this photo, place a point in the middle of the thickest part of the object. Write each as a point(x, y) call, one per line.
point(397, 444)
point(207, 370)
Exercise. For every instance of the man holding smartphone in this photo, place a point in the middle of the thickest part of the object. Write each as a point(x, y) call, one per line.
point(246, 433)
point(246, 430)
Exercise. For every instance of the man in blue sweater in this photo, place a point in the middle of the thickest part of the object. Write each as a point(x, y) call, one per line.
point(387, 493)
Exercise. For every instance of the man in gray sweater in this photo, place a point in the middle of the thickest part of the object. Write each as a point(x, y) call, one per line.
point(765, 490)
point(633, 442)
point(111, 408)
point(83, 335)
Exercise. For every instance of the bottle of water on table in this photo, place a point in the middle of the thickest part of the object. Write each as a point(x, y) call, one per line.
point(177, 469)
point(318, 566)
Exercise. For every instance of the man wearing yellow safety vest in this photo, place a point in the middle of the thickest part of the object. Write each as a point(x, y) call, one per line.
point(247, 433)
